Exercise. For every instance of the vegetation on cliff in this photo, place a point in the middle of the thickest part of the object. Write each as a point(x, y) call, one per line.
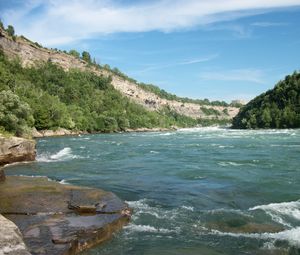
point(164, 94)
point(47, 97)
point(277, 108)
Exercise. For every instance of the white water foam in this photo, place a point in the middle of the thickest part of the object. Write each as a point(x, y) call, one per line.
point(201, 129)
point(229, 163)
point(285, 145)
point(154, 152)
point(225, 146)
point(147, 228)
point(63, 181)
point(166, 134)
point(226, 210)
point(188, 208)
point(62, 155)
point(141, 207)
point(291, 235)
point(36, 176)
point(279, 211)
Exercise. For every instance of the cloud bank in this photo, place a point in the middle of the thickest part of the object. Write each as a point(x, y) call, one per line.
point(55, 22)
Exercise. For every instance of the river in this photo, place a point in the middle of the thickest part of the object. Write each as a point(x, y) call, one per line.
point(194, 191)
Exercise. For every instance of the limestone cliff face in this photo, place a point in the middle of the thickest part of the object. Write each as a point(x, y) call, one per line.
point(11, 242)
point(30, 54)
point(15, 149)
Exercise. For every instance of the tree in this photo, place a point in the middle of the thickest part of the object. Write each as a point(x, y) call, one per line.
point(15, 115)
point(10, 30)
point(74, 53)
point(266, 118)
point(86, 56)
point(1, 24)
point(276, 108)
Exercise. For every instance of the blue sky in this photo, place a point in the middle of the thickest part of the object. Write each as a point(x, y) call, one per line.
point(216, 49)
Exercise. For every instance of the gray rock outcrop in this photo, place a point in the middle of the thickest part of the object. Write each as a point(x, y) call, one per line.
point(11, 242)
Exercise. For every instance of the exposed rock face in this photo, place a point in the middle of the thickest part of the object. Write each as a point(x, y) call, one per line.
point(15, 149)
point(30, 54)
point(11, 242)
point(58, 132)
point(60, 219)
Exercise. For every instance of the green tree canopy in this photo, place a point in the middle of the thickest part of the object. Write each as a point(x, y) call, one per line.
point(74, 53)
point(86, 56)
point(277, 108)
point(15, 115)
point(10, 30)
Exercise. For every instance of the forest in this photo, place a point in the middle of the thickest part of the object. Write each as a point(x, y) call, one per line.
point(276, 108)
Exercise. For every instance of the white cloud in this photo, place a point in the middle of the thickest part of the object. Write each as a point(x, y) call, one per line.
point(180, 63)
point(269, 24)
point(60, 22)
point(244, 75)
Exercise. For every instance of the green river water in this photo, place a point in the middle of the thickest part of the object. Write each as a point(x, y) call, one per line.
point(194, 191)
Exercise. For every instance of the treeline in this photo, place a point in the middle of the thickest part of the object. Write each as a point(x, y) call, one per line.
point(277, 108)
point(47, 97)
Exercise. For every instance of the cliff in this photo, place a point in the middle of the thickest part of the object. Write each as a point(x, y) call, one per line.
point(15, 149)
point(30, 54)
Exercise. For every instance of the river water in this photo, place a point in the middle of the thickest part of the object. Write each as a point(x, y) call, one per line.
point(194, 191)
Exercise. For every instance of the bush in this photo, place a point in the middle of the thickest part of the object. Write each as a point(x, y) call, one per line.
point(10, 30)
point(15, 115)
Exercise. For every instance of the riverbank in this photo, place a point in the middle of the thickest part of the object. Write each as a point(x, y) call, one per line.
point(66, 132)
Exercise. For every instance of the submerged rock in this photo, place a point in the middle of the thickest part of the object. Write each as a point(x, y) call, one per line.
point(41, 209)
point(16, 149)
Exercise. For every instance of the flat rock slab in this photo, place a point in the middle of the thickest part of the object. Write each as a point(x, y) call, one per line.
point(41, 209)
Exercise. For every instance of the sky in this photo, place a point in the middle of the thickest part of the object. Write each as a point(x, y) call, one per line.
point(215, 49)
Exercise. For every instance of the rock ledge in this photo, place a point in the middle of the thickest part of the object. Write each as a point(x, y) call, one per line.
point(60, 219)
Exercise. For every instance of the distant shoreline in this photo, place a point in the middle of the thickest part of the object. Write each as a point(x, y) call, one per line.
point(66, 132)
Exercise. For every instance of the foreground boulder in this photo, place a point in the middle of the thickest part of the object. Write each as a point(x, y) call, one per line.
point(15, 149)
point(11, 242)
point(60, 219)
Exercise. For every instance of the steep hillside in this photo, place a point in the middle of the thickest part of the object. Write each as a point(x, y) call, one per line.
point(277, 108)
point(31, 53)
point(47, 97)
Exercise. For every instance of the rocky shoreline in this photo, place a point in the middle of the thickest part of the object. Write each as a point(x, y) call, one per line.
point(66, 132)
point(45, 217)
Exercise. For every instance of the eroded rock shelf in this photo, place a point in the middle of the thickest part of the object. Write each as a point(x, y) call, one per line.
point(41, 209)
